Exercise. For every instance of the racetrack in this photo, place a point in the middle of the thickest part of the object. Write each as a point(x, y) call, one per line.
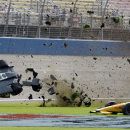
point(99, 77)
point(25, 120)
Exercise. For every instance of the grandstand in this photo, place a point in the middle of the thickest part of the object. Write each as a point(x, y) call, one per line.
point(25, 19)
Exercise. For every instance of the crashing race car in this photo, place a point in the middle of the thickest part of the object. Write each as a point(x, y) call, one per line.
point(113, 108)
point(9, 81)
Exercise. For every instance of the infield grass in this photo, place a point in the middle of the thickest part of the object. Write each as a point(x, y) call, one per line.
point(34, 108)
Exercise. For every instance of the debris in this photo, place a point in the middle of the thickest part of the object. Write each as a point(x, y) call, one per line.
point(51, 91)
point(65, 80)
point(57, 93)
point(48, 84)
point(52, 83)
point(55, 84)
point(72, 85)
point(46, 28)
point(12, 43)
point(45, 44)
point(65, 44)
point(75, 73)
point(74, 96)
point(32, 56)
point(102, 26)
point(128, 60)
point(92, 36)
point(30, 97)
point(43, 100)
point(95, 58)
point(29, 78)
point(73, 78)
point(49, 100)
point(32, 70)
point(52, 77)
point(48, 15)
point(48, 23)
point(87, 26)
point(50, 44)
point(19, 78)
point(90, 12)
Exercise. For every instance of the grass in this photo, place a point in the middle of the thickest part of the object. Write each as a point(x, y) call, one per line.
point(33, 108)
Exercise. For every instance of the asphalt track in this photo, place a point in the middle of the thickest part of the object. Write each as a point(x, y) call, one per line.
point(25, 120)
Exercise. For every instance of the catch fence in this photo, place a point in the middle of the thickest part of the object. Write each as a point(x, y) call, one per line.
point(68, 25)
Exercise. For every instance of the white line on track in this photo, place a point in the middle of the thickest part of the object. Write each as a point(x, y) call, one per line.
point(10, 100)
point(109, 98)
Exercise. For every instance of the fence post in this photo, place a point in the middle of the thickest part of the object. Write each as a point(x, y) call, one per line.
point(12, 13)
point(71, 20)
point(16, 24)
point(28, 19)
point(40, 19)
point(7, 19)
point(98, 9)
point(31, 4)
point(81, 28)
point(37, 6)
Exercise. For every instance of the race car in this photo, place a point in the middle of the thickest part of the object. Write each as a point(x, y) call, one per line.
point(113, 108)
point(10, 81)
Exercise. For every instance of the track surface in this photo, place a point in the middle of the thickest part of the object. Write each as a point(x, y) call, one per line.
point(26, 120)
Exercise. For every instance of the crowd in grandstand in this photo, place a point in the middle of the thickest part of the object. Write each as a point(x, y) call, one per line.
point(57, 15)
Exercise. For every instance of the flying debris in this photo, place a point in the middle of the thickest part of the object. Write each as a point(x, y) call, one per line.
point(48, 23)
point(32, 70)
point(30, 97)
point(103, 25)
point(51, 91)
point(52, 77)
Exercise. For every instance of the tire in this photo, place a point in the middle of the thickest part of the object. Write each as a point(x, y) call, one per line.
point(110, 104)
point(126, 109)
point(37, 88)
point(3, 64)
point(17, 89)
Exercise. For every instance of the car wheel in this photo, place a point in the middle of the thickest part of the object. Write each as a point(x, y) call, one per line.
point(17, 88)
point(126, 109)
point(110, 104)
point(3, 64)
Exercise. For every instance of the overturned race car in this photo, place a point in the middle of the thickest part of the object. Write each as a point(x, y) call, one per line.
point(9, 81)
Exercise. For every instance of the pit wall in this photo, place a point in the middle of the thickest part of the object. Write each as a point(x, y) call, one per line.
point(57, 47)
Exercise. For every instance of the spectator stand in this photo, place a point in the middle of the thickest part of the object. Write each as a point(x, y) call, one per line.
point(25, 16)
